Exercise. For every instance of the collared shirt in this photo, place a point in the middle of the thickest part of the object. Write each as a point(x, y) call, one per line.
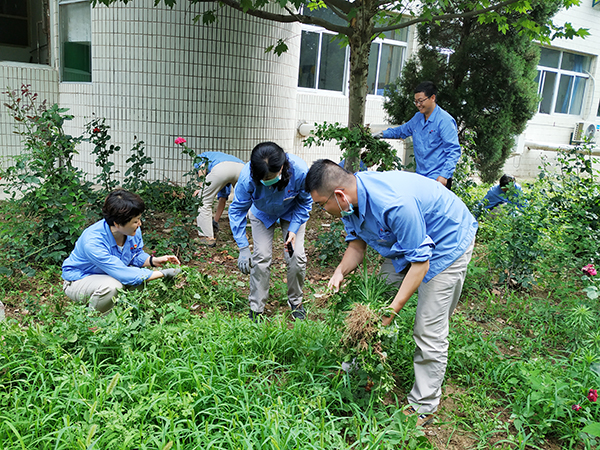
point(267, 203)
point(435, 142)
point(409, 218)
point(215, 158)
point(96, 253)
point(496, 196)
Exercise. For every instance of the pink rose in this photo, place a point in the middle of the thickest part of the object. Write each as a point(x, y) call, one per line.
point(592, 395)
point(589, 270)
point(180, 140)
point(576, 408)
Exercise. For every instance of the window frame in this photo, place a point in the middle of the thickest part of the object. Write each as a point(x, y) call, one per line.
point(559, 73)
point(61, 50)
point(345, 83)
point(321, 32)
point(380, 43)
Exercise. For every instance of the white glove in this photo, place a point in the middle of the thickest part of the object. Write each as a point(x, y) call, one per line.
point(378, 135)
point(170, 273)
point(245, 260)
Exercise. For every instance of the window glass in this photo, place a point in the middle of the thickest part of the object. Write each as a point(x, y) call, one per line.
point(397, 35)
point(390, 66)
point(309, 52)
point(332, 66)
point(564, 94)
point(577, 95)
point(549, 58)
point(373, 58)
point(576, 63)
point(76, 41)
point(547, 91)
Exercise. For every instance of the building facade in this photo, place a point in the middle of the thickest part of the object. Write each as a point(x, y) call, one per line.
point(155, 75)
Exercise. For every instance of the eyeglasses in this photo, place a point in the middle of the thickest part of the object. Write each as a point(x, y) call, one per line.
point(421, 100)
point(322, 205)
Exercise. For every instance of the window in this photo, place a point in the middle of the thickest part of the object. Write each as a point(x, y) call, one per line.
point(322, 62)
point(562, 78)
point(24, 31)
point(14, 26)
point(76, 40)
point(386, 60)
point(324, 65)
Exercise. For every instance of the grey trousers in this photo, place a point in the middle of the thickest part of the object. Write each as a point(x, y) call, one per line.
point(99, 289)
point(220, 176)
point(437, 300)
point(261, 264)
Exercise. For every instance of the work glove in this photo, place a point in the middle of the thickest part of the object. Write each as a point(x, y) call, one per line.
point(170, 273)
point(215, 227)
point(244, 260)
point(378, 135)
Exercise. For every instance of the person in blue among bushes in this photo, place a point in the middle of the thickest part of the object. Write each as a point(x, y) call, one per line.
point(426, 235)
point(506, 191)
point(270, 192)
point(221, 172)
point(110, 254)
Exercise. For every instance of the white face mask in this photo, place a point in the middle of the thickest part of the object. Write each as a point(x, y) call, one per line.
point(350, 207)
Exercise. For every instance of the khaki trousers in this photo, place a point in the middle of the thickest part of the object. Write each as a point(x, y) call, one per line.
point(437, 300)
point(99, 289)
point(261, 264)
point(220, 176)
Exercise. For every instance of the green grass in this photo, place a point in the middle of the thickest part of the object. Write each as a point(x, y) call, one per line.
point(128, 381)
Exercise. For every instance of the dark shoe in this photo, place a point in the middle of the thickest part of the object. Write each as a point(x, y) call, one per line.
point(207, 242)
point(422, 419)
point(215, 227)
point(298, 312)
point(255, 316)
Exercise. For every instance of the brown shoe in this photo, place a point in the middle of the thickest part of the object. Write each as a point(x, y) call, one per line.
point(422, 419)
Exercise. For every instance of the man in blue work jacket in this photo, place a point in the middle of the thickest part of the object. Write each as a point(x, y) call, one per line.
point(434, 133)
point(426, 233)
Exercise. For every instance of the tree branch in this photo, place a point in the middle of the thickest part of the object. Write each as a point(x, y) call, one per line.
point(341, 5)
point(282, 18)
point(445, 17)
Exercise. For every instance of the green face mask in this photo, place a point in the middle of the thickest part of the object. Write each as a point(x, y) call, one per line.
point(272, 181)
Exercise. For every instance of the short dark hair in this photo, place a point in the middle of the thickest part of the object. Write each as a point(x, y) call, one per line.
point(427, 87)
point(506, 179)
point(268, 157)
point(324, 176)
point(121, 206)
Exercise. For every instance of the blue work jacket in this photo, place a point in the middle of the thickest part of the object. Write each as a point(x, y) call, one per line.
point(435, 142)
point(96, 253)
point(267, 203)
point(409, 218)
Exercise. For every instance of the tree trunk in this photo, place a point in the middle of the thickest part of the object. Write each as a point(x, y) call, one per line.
point(360, 48)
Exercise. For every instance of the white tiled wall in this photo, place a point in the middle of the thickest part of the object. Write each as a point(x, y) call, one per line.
point(157, 76)
point(43, 81)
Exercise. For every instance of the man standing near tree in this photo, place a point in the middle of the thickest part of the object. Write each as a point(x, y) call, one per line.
point(434, 133)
